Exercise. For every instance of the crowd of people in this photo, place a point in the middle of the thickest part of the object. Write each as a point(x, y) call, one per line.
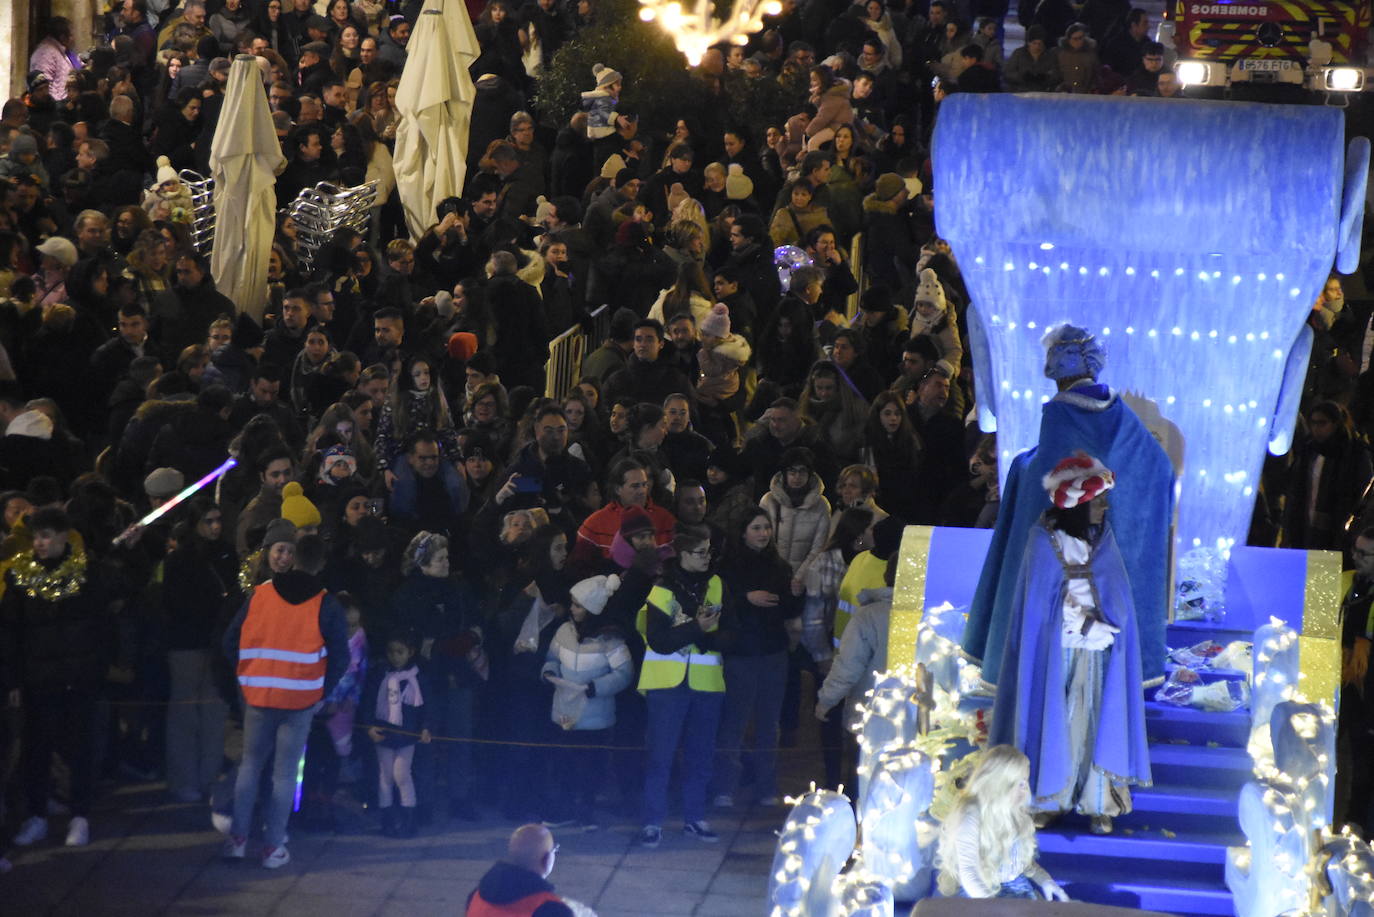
point(650, 559)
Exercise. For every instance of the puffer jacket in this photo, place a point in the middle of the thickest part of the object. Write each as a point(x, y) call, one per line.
point(603, 660)
point(801, 531)
point(1078, 70)
point(862, 654)
point(720, 367)
point(832, 109)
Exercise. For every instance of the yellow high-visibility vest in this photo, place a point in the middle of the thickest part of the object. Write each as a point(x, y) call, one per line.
point(704, 671)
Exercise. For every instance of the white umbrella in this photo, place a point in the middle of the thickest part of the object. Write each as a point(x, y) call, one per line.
point(245, 158)
point(434, 101)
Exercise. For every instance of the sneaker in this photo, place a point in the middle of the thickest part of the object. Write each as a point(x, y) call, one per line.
point(235, 848)
point(221, 822)
point(701, 831)
point(78, 832)
point(275, 857)
point(31, 831)
point(650, 835)
point(724, 801)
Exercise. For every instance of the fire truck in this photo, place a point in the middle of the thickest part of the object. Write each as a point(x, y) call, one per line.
point(1320, 45)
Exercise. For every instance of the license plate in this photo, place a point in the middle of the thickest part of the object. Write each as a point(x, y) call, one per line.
point(1266, 65)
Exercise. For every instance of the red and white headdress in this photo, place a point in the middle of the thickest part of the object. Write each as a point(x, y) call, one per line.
point(1078, 479)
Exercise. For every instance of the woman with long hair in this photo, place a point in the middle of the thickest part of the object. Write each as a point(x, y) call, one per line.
point(767, 608)
point(896, 450)
point(345, 57)
point(690, 294)
point(832, 402)
point(987, 842)
point(338, 419)
point(787, 344)
point(377, 103)
point(150, 267)
point(415, 402)
point(270, 25)
point(849, 171)
point(129, 222)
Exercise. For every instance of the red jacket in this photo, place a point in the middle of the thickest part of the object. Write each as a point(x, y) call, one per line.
point(593, 548)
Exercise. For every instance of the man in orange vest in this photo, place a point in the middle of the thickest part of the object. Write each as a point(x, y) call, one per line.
point(518, 886)
point(290, 643)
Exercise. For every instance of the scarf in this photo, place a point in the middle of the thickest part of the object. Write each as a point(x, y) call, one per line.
point(399, 687)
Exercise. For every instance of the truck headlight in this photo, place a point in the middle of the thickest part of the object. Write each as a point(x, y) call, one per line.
point(1191, 72)
point(1343, 79)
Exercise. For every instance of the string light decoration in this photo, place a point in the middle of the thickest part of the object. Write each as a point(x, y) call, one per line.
point(816, 841)
point(896, 807)
point(695, 27)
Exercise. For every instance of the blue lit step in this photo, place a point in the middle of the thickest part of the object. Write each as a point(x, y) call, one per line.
point(1200, 766)
point(1174, 888)
point(1165, 722)
point(1178, 799)
point(1185, 846)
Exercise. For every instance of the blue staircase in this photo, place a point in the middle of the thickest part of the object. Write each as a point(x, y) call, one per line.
point(1169, 854)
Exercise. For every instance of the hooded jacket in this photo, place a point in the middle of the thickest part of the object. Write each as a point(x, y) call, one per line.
point(513, 891)
point(801, 530)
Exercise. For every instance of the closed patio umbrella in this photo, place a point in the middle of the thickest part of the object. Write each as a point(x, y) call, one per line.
point(434, 101)
point(245, 157)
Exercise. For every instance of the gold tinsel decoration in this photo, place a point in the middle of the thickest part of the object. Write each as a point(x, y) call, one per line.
point(62, 582)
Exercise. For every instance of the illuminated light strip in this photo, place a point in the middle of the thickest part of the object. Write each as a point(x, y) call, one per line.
point(1319, 645)
point(908, 597)
point(172, 504)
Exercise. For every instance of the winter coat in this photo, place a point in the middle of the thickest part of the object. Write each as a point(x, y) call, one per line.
point(944, 331)
point(645, 381)
point(790, 225)
point(832, 109)
point(720, 366)
point(757, 630)
point(46, 644)
point(445, 612)
point(1078, 70)
point(801, 531)
point(602, 660)
point(862, 654)
point(1024, 73)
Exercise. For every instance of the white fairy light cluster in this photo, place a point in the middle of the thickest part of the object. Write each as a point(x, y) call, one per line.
point(904, 778)
point(1293, 863)
point(695, 27)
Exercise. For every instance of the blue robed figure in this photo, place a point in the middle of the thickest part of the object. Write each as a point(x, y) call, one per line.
point(1069, 693)
point(1085, 415)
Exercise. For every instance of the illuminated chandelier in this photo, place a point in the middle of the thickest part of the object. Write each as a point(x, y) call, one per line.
point(696, 29)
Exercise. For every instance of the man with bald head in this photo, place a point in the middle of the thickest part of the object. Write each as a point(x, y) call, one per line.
point(518, 886)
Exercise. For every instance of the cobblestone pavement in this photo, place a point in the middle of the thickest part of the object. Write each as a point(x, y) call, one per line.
point(151, 857)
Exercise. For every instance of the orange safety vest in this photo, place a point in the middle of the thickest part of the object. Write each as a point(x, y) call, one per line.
point(522, 907)
point(281, 651)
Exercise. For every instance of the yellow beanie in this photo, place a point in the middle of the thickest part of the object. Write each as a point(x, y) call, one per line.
point(296, 508)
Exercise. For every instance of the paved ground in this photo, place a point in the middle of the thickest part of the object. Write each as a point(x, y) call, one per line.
point(150, 857)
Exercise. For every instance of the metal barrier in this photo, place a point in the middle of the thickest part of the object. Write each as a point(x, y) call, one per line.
point(856, 264)
point(321, 211)
point(202, 209)
point(568, 349)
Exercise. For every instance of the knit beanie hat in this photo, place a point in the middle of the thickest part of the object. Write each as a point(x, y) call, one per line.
point(33, 423)
point(297, 508)
point(443, 304)
point(594, 592)
point(334, 455)
point(542, 208)
point(462, 345)
point(635, 520)
point(717, 321)
point(605, 76)
point(612, 166)
point(165, 172)
point(24, 144)
point(930, 290)
point(163, 482)
point(888, 186)
point(738, 186)
point(278, 530)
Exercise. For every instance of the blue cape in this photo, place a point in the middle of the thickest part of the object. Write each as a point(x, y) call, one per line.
point(1031, 712)
point(1142, 509)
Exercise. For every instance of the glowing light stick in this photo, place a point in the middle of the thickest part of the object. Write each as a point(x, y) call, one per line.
point(176, 500)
